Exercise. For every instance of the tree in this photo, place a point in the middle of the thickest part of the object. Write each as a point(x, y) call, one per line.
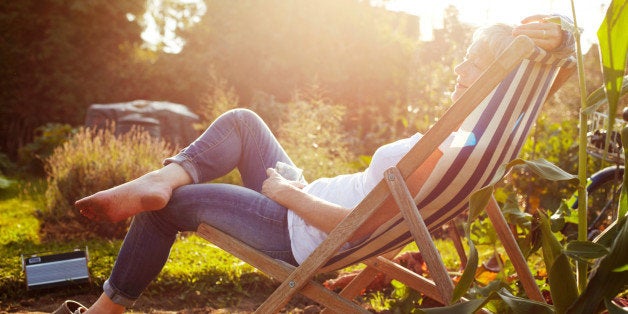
point(59, 56)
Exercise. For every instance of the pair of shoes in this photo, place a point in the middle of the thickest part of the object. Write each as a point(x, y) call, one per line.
point(70, 307)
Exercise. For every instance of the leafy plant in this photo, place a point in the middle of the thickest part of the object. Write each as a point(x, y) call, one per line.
point(49, 137)
point(312, 133)
point(613, 48)
point(92, 161)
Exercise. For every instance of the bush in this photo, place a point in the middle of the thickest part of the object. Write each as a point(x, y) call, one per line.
point(96, 160)
point(312, 134)
point(555, 142)
point(47, 138)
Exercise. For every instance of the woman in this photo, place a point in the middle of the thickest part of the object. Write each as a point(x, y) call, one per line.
point(285, 219)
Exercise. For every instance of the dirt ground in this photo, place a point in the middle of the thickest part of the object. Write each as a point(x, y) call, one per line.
point(48, 301)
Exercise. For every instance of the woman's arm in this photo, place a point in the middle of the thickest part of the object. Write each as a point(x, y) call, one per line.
point(314, 210)
point(325, 215)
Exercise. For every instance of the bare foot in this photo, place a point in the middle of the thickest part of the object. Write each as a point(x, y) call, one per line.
point(145, 193)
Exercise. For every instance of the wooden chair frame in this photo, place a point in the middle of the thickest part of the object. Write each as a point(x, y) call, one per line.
point(440, 287)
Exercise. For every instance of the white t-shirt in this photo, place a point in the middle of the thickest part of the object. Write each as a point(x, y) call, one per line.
point(345, 190)
point(350, 189)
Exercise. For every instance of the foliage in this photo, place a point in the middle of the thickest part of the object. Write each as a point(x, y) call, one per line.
point(59, 56)
point(197, 271)
point(611, 258)
point(92, 161)
point(554, 142)
point(49, 136)
point(219, 98)
point(613, 51)
point(312, 134)
point(364, 57)
point(613, 47)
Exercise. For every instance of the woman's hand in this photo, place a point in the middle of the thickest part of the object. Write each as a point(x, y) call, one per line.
point(314, 210)
point(545, 34)
point(275, 186)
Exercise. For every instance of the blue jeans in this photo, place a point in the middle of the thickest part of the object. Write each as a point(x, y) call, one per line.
point(237, 139)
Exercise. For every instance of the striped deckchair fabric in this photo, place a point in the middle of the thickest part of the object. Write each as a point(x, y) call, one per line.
point(497, 112)
point(499, 127)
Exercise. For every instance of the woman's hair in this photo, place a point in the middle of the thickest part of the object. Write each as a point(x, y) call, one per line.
point(495, 38)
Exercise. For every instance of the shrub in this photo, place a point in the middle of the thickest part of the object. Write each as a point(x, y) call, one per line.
point(555, 142)
point(312, 133)
point(96, 160)
point(47, 138)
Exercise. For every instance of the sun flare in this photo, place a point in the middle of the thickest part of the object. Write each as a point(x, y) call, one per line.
point(589, 13)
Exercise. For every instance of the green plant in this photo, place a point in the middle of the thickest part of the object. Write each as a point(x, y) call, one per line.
point(48, 137)
point(608, 253)
point(613, 48)
point(92, 161)
point(312, 133)
point(555, 142)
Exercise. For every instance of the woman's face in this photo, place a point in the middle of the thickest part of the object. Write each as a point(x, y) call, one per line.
point(474, 63)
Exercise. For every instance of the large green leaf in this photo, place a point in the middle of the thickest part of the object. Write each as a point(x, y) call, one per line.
point(609, 278)
point(516, 304)
point(551, 248)
point(561, 277)
point(521, 305)
point(543, 168)
point(584, 250)
point(623, 197)
point(613, 47)
point(470, 306)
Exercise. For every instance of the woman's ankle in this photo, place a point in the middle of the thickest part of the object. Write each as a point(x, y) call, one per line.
point(105, 305)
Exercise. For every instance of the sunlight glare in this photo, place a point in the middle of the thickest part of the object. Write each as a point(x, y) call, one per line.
point(589, 13)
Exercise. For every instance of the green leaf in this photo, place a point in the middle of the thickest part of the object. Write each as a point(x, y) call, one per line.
point(521, 305)
point(598, 97)
point(623, 197)
point(605, 282)
point(613, 308)
point(563, 286)
point(470, 306)
point(548, 170)
point(478, 201)
point(559, 218)
point(610, 233)
point(585, 250)
point(621, 268)
point(562, 281)
point(543, 168)
point(613, 47)
point(550, 245)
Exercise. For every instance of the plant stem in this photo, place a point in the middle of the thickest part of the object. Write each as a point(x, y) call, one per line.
point(581, 271)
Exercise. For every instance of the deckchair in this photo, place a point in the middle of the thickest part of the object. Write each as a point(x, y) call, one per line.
point(499, 109)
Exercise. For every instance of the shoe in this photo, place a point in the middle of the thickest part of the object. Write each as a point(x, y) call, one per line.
point(70, 307)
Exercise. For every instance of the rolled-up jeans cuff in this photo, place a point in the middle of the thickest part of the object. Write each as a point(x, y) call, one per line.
point(117, 296)
point(186, 164)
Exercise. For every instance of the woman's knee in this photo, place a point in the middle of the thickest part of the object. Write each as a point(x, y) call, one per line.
point(245, 116)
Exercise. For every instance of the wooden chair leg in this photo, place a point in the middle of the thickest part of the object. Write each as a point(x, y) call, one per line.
point(420, 233)
point(456, 238)
point(514, 253)
point(355, 287)
point(278, 270)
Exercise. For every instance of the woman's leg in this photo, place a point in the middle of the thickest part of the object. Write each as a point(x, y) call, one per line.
point(241, 212)
point(148, 192)
point(238, 138)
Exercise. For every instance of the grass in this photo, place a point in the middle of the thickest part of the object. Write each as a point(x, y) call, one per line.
point(197, 273)
point(194, 269)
